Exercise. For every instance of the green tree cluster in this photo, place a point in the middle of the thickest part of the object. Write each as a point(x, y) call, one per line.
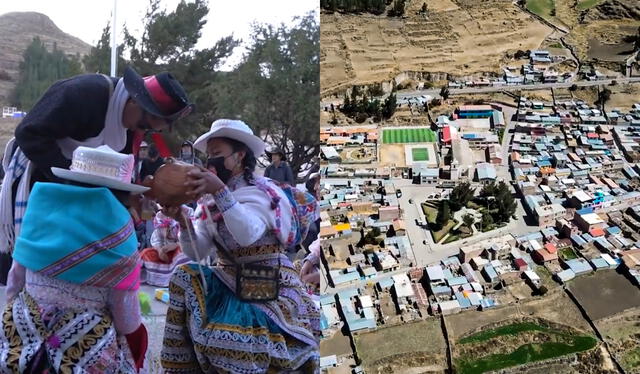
point(354, 6)
point(362, 108)
point(502, 205)
point(39, 69)
point(460, 196)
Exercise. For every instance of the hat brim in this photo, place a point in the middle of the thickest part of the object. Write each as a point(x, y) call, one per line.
point(134, 83)
point(98, 180)
point(254, 143)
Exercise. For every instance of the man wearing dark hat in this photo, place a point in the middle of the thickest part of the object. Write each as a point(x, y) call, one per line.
point(279, 170)
point(188, 155)
point(86, 110)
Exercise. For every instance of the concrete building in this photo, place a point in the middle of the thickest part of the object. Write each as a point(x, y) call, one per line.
point(494, 154)
point(589, 221)
point(486, 173)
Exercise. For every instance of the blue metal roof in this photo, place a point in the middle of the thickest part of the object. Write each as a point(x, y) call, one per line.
point(344, 278)
point(584, 211)
point(577, 239)
point(486, 171)
point(348, 293)
point(441, 290)
point(490, 272)
point(464, 302)
point(385, 283)
point(600, 263)
point(456, 281)
point(587, 237)
point(327, 299)
point(579, 266)
point(360, 324)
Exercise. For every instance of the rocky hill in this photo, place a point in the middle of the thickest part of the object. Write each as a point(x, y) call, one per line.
point(17, 30)
point(615, 9)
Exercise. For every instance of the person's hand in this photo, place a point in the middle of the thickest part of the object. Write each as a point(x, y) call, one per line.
point(310, 274)
point(202, 181)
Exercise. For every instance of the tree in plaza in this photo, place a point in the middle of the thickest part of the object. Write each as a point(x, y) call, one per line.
point(460, 196)
point(468, 220)
point(39, 70)
point(444, 214)
point(505, 202)
point(489, 189)
point(573, 88)
point(444, 93)
point(487, 219)
point(273, 87)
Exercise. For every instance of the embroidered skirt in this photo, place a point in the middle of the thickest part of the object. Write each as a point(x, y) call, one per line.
point(217, 333)
point(75, 341)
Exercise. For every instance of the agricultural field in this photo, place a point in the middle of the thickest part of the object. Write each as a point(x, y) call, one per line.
point(543, 8)
point(517, 344)
point(398, 348)
point(408, 135)
point(605, 293)
point(621, 332)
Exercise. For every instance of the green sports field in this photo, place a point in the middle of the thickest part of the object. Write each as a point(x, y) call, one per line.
point(394, 136)
point(420, 154)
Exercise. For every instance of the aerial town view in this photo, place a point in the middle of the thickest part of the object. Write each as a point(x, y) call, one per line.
point(480, 164)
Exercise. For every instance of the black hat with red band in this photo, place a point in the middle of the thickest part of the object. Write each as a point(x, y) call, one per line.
point(160, 94)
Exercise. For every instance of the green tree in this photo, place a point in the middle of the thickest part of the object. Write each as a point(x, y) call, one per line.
point(274, 88)
point(39, 70)
point(444, 93)
point(489, 189)
point(444, 214)
point(99, 58)
point(389, 106)
point(487, 220)
point(505, 202)
point(167, 43)
point(460, 196)
point(347, 107)
point(603, 96)
point(468, 220)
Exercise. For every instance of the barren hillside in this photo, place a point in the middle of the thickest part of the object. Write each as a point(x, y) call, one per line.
point(17, 30)
point(460, 38)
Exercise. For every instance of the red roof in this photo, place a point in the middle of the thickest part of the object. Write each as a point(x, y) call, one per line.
point(520, 263)
point(544, 255)
point(592, 135)
point(551, 248)
point(446, 134)
point(596, 232)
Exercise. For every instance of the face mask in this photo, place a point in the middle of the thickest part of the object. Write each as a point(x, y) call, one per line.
point(221, 171)
point(187, 154)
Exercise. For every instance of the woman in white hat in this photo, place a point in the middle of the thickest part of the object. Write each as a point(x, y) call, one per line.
point(250, 313)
